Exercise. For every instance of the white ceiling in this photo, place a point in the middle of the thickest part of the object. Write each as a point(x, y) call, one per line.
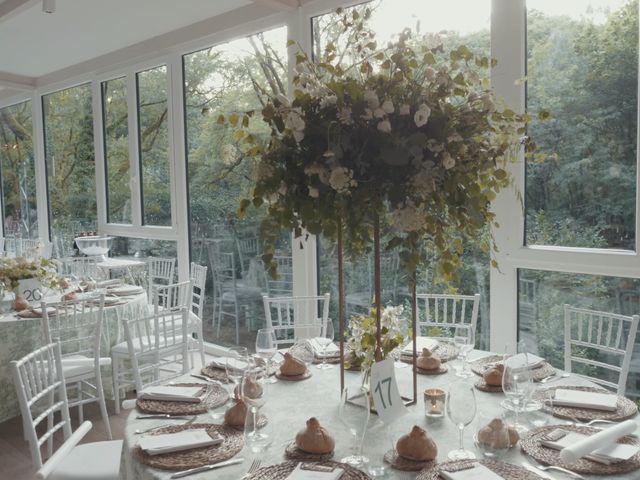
point(33, 44)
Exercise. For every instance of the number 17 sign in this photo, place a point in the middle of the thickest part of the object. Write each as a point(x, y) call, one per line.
point(385, 393)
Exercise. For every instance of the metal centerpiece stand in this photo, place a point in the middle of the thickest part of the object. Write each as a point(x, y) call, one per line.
point(377, 305)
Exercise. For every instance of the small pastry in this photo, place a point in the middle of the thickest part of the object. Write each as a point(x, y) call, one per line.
point(314, 438)
point(20, 303)
point(69, 296)
point(427, 361)
point(252, 389)
point(493, 434)
point(291, 366)
point(493, 376)
point(62, 283)
point(417, 446)
point(235, 415)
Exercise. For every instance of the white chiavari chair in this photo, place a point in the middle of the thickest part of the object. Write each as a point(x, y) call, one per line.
point(455, 313)
point(198, 274)
point(292, 318)
point(160, 272)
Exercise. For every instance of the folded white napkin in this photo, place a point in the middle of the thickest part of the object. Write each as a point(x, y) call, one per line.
point(599, 447)
point(478, 472)
point(176, 442)
point(109, 283)
point(522, 361)
point(126, 290)
point(171, 394)
point(299, 473)
point(219, 362)
point(332, 348)
point(421, 342)
point(592, 400)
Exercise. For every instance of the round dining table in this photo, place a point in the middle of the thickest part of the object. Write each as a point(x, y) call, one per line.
point(290, 404)
point(21, 336)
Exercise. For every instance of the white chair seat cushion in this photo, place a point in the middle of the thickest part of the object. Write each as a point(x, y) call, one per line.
point(90, 461)
point(122, 348)
point(79, 365)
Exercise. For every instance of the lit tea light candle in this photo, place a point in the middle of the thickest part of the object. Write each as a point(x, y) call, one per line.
point(434, 402)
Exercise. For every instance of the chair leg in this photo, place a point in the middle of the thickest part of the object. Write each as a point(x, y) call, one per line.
point(201, 342)
point(116, 384)
point(80, 406)
point(103, 405)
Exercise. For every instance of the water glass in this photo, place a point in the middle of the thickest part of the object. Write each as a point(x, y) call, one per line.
point(325, 340)
point(237, 364)
point(354, 414)
point(465, 341)
point(492, 435)
point(253, 389)
point(517, 385)
point(461, 410)
point(266, 347)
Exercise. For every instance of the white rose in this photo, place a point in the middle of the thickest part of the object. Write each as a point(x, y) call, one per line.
point(341, 179)
point(404, 109)
point(283, 100)
point(387, 106)
point(328, 101)
point(378, 113)
point(371, 98)
point(384, 126)
point(448, 161)
point(421, 116)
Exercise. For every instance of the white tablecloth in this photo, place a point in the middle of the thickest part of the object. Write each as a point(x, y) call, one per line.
point(290, 404)
point(19, 336)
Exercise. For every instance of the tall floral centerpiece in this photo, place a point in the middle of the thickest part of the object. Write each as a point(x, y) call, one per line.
point(14, 270)
point(412, 139)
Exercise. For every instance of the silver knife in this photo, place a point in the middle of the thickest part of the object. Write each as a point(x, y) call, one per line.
point(205, 468)
point(539, 473)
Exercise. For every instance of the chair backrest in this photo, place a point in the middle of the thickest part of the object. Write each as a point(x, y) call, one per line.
point(41, 392)
point(198, 276)
point(608, 336)
point(248, 248)
point(154, 341)
point(46, 249)
point(161, 271)
point(223, 265)
point(76, 325)
point(282, 285)
point(457, 313)
point(292, 318)
point(171, 297)
point(82, 267)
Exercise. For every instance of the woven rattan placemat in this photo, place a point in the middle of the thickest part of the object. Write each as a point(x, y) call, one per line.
point(282, 470)
point(214, 396)
point(196, 457)
point(483, 387)
point(479, 366)
point(444, 351)
point(626, 408)
point(505, 470)
point(406, 465)
point(294, 453)
point(215, 373)
point(294, 378)
point(530, 445)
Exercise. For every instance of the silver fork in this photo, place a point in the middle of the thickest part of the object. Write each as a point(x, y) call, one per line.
point(255, 465)
point(571, 473)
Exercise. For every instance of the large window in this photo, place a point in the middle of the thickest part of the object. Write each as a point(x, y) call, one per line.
point(432, 22)
point(116, 148)
point(70, 161)
point(18, 171)
point(223, 80)
point(582, 62)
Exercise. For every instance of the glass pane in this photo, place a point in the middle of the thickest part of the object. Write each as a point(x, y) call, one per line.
point(427, 18)
point(582, 66)
point(116, 148)
point(154, 146)
point(542, 296)
point(220, 80)
point(70, 161)
point(18, 171)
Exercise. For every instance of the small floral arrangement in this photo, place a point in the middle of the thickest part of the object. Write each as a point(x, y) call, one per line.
point(14, 269)
point(361, 341)
point(411, 136)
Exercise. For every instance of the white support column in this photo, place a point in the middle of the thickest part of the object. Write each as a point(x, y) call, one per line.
point(42, 194)
point(134, 152)
point(177, 149)
point(508, 35)
point(303, 249)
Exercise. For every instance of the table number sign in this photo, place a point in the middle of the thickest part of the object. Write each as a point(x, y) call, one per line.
point(385, 393)
point(30, 289)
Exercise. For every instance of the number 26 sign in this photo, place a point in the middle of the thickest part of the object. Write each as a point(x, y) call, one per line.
point(384, 390)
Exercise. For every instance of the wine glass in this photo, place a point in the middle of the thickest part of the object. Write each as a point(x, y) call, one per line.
point(354, 414)
point(325, 339)
point(266, 348)
point(461, 410)
point(253, 389)
point(465, 341)
point(516, 385)
point(492, 435)
point(236, 364)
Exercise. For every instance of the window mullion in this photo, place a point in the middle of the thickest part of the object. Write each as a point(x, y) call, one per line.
point(42, 192)
point(134, 152)
point(100, 160)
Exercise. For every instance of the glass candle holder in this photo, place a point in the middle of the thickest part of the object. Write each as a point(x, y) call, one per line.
point(434, 402)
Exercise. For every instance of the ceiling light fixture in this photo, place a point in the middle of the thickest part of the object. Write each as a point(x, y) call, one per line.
point(48, 6)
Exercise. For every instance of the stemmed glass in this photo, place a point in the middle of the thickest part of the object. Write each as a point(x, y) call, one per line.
point(354, 414)
point(516, 385)
point(461, 410)
point(465, 343)
point(236, 364)
point(253, 389)
point(325, 339)
point(266, 348)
